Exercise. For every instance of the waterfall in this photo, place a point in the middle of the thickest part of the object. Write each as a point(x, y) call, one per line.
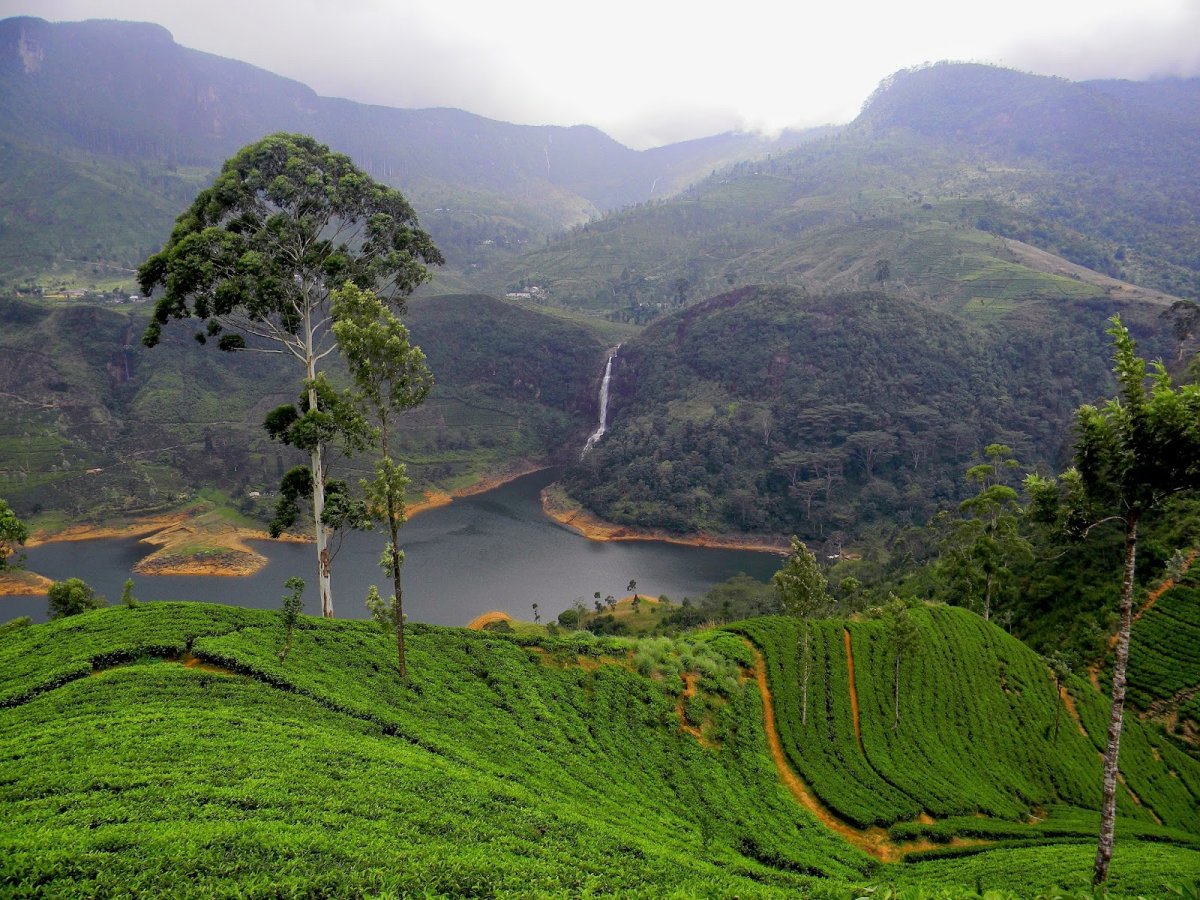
point(599, 432)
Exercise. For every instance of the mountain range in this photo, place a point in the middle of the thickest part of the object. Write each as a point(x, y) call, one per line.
point(938, 272)
point(115, 116)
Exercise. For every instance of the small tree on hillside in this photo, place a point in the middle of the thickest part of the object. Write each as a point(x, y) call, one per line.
point(902, 636)
point(980, 548)
point(1060, 668)
point(800, 586)
point(1131, 456)
point(13, 533)
point(293, 605)
point(71, 597)
point(391, 376)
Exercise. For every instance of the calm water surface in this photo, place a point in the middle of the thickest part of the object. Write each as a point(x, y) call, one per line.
point(492, 551)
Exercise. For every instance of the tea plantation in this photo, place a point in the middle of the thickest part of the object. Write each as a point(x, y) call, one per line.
point(165, 750)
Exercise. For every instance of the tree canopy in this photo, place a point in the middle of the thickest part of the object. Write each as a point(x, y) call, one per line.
point(286, 222)
point(260, 252)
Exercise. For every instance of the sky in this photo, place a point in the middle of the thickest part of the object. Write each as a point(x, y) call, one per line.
point(650, 72)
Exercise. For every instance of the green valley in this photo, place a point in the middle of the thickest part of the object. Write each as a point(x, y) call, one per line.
point(643, 373)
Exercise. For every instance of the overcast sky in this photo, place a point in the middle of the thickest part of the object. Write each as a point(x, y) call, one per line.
point(650, 72)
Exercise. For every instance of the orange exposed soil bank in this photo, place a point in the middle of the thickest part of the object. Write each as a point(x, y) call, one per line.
point(434, 499)
point(874, 841)
point(691, 683)
point(191, 543)
point(188, 542)
point(137, 528)
point(1151, 598)
point(1072, 709)
point(19, 582)
point(566, 512)
point(488, 618)
point(853, 692)
point(184, 550)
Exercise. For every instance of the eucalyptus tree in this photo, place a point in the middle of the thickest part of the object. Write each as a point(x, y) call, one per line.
point(801, 588)
point(980, 547)
point(258, 254)
point(1131, 456)
point(391, 376)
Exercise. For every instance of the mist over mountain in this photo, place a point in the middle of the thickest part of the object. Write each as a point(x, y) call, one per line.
point(102, 115)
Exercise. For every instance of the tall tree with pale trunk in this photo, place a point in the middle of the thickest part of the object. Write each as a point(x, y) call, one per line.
point(801, 587)
point(258, 255)
point(1131, 456)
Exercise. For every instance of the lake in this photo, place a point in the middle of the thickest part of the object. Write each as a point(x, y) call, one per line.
point(492, 551)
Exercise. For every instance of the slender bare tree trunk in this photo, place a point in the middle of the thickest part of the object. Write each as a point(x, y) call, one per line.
point(1104, 847)
point(317, 464)
point(804, 688)
point(896, 694)
point(393, 515)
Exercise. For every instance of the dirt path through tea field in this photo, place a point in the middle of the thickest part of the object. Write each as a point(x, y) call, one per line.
point(1151, 598)
point(874, 841)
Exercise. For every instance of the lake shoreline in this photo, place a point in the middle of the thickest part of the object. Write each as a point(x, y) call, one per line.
point(570, 514)
point(188, 545)
point(497, 551)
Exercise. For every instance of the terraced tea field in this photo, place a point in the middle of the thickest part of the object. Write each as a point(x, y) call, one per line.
point(165, 749)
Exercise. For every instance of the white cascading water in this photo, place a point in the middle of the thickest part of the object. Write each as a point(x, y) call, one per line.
point(599, 432)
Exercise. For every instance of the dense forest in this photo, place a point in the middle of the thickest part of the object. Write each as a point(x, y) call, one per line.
point(768, 409)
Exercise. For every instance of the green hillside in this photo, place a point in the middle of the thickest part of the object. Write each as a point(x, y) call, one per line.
point(130, 156)
point(1164, 662)
point(973, 186)
point(94, 424)
point(165, 749)
point(956, 753)
point(770, 409)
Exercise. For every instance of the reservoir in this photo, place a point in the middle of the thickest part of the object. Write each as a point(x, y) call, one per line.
point(491, 551)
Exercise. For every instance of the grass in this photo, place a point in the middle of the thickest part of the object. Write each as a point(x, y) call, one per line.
point(490, 773)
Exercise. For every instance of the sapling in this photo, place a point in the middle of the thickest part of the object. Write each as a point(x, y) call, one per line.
point(293, 605)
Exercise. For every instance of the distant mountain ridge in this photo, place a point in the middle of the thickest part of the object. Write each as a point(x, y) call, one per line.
point(121, 94)
point(953, 185)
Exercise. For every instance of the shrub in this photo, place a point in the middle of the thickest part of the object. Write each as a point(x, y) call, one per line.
point(15, 624)
point(71, 597)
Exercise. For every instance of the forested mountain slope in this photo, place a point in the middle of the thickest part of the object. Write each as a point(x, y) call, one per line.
point(953, 184)
point(165, 748)
point(769, 409)
point(95, 424)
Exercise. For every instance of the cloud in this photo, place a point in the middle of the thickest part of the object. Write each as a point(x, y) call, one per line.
point(660, 71)
point(1128, 46)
